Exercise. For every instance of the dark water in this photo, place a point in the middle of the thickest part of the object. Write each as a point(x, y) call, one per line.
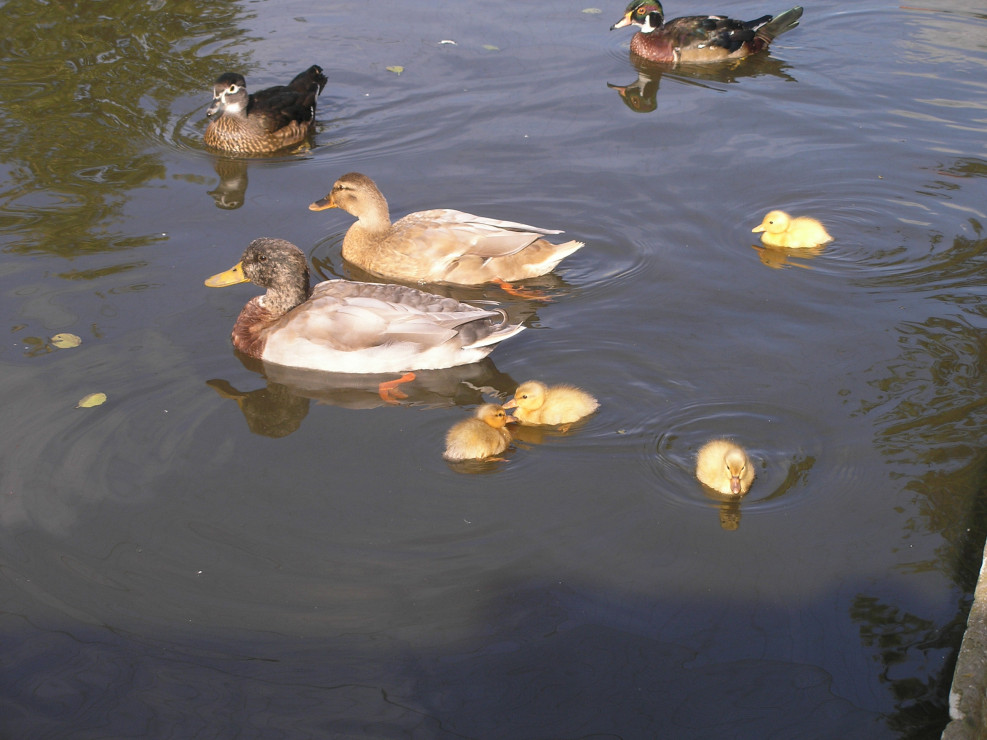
point(213, 553)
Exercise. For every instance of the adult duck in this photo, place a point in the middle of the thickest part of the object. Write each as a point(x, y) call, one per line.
point(272, 119)
point(700, 38)
point(348, 327)
point(440, 245)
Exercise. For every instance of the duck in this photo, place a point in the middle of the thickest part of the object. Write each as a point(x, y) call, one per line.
point(483, 435)
point(700, 38)
point(352, 327)
point(725, 467)
point(537, 403)
point(266, 121)
point(778, 229)
point(439, 245)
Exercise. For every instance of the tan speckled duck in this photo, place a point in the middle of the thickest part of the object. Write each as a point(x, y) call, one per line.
point(272, 119)
point(348, 327)
point(440, 245)
point(482, 435)
point(724, 466)
point(537, 403)
point(778, 229)
point(700, 38)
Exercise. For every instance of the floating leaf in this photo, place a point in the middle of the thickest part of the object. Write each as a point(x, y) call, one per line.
point(491, 47)
point(592, 11)
point(396, 69)
point(66, 341)
point(93, 399)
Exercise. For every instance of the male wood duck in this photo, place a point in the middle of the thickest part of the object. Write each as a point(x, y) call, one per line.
point(265, 121)
point(700, 38)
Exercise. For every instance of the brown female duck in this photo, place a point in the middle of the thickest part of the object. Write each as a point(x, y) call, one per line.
point(700, 38)
point(348, 327)
point(440, 245)
point(266, 121)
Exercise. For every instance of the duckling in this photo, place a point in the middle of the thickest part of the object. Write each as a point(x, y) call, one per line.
point(700, 38)
point(482, 435)
point(272, 119)
point(724, 467)
point(348, 327)
point(440, 245)
point(537, 403)
point(781, 230)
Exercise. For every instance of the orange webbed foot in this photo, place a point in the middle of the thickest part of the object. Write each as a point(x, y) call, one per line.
point(388, 390)
point(528, 295)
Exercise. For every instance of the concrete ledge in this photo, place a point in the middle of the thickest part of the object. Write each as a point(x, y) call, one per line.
point(968, 694)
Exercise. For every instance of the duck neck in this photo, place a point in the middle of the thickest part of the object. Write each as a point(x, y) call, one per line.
point(376, 219)
point(289, 292)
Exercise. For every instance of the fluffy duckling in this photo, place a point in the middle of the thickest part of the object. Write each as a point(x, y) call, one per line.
point(700, 38)
point(482, 435)
point(271, 119)
point(781, 230)
point(724, 467)
point(440, 245)
point(348, 327)
point(537, 403)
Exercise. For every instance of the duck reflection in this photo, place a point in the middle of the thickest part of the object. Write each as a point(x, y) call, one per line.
point(231, 192)
point(641, 95)
point(728, 508)
point(778, 257)
point(279, 408)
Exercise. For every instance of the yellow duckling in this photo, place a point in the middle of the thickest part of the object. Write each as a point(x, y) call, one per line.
point(482, 435)
point(348, 327)
point(781, 230)
point(440, 245)
point(724, 467)
point(537, 403)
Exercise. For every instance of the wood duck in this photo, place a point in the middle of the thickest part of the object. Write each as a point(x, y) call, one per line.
point(700, 38)
point(268, 120)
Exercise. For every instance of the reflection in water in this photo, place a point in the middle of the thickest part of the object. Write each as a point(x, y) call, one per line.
point(779, 257)
point(84, 161)
point(278, 409)
point(641, 95)
point(231, 191)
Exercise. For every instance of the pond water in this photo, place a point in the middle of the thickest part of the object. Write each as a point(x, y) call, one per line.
point(220, 552)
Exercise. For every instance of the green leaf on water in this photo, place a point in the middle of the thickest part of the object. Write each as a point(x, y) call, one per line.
point(93, 399)
point(491, 47)
point(66, 341)
point(396, 69)
point(592, 11)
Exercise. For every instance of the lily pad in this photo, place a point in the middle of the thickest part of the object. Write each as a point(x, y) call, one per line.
point(396, 69)
point(93, 399)
point(66, 341)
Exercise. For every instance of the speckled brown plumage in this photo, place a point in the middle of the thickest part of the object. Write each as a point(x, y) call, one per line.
point(268, 120)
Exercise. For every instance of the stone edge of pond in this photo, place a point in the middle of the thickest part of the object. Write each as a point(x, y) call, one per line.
point(968, 694)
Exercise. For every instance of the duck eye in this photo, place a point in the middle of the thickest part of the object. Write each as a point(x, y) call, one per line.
point(232, 89)
point(262, 258)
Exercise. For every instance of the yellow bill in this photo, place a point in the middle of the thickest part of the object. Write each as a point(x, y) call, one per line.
point(231, 277)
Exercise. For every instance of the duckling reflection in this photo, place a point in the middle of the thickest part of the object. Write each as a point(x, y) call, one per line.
point(641, 95)
point(728, 508)
point(231, 192)
point(278, 409)
point(778, 258)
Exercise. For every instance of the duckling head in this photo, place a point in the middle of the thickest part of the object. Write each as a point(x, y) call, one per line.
point(736, 463)
point(492, 414)
point(529, 395)
point(775, 222)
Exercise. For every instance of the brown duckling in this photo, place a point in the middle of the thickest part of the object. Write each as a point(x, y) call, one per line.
point(348, 327)
point(781, 230)
point(724, 466)
point(440, 245)
point(537, 403)
point(700, 38)
point(272, 119)
point(482, 435)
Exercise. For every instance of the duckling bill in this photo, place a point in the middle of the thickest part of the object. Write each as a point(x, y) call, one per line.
point(348, 327)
